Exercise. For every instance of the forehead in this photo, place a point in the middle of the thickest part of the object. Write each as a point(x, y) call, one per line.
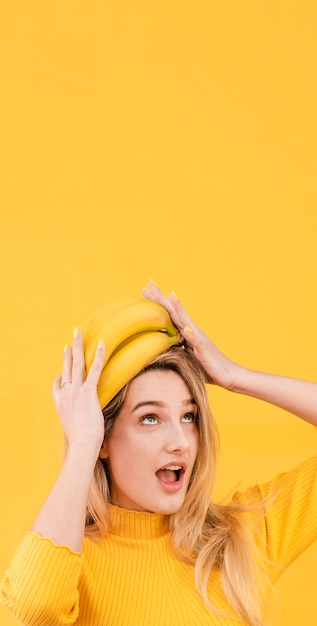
point(158, 383)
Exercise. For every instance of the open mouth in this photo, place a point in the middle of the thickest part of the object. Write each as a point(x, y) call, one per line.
point(170, 473)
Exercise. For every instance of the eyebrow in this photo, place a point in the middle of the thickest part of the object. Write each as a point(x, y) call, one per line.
point(159, 403)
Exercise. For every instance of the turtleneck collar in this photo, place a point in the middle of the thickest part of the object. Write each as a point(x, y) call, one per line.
point(137, 524)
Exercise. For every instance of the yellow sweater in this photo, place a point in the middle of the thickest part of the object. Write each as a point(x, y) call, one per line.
point(132, 577)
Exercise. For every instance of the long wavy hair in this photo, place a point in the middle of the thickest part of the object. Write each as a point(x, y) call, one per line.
point(210, 536)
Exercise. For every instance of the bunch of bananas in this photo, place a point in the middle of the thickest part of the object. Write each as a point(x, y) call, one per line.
point(134, 331)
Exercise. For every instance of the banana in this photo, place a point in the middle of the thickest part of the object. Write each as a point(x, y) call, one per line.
point(116, 322)
point(130, 359)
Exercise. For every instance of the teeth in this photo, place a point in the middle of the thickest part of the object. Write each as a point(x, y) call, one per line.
point(172, 467)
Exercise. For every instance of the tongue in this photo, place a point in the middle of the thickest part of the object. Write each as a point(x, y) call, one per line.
point(167, 476)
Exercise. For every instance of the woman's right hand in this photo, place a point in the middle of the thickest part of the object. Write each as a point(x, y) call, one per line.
point(75, 395)
point(62, 516)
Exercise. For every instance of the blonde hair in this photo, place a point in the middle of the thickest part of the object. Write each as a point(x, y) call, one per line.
point(208, 535)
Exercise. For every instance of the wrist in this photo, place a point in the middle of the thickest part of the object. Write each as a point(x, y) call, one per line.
point(240, 379)
point(86, 452)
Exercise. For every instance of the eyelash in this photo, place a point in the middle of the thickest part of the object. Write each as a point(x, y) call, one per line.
point(193, 418)
point(146, 417)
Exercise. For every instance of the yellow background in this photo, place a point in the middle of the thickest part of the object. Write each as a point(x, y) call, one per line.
point(168, 139)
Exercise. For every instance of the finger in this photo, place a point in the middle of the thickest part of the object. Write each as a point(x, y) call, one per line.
point(174, 307)
point(57, 387)
point(183, 318)
point(67, 365)
point(97, 365)
point(147, 294)
point(78, 373)
point(156, 295)
point(153, 292)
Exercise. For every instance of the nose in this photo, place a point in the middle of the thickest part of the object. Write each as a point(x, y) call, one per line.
point(176, 440)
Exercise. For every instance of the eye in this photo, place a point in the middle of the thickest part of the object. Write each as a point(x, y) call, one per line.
point(149, 419)
point(189, 417)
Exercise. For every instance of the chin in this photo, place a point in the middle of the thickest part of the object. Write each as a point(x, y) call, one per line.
point(168, 508)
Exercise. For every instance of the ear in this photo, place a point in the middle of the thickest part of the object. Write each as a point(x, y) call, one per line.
point(103, 454)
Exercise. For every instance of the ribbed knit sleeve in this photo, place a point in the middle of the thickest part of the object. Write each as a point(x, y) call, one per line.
point(289, 523)
point(41, 586)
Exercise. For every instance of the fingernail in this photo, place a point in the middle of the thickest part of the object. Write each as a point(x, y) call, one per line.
point(100, 344)
point(76, 332)
point(174, 295)
point(188, 329)
point(152, 281)
point(65, 348)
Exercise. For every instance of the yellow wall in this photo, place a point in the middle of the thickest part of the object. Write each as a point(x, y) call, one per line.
point(175, 140)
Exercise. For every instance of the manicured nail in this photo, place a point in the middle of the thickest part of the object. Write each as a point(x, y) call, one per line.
point(100, 344)
point(65, 348)
point(174, 295)
point(152, 281)
point(76, 332)
point(188, 329)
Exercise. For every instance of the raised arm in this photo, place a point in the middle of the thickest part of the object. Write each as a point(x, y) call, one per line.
point(62, 517)
point(296, 396)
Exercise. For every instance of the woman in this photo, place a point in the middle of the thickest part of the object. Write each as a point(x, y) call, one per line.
point(129, 533)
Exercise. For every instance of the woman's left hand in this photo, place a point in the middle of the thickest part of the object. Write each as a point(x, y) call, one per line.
point(220, 370)
point(296, 396)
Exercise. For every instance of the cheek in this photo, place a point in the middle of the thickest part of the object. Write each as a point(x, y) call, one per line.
point(129, 469)
point(124, 451)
